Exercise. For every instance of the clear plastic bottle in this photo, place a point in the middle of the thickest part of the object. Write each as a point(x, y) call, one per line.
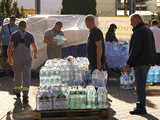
point(156, 74)
point(122, 78)
point(102, 97)
point(91, 97)
point(150, 75)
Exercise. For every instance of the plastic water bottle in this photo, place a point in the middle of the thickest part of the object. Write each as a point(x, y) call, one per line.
point(131, 79)
point(91, 97)
point(82, 98)
point(159, 74)
point(102, 97)
point(72, 104)
point(156, 74)
point(122, 81)
point(150, 75)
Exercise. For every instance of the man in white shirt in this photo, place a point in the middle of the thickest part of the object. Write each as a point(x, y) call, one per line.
point(156, 32)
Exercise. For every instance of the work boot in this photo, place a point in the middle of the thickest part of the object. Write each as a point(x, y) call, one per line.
point(138, 112)
point(26, 106)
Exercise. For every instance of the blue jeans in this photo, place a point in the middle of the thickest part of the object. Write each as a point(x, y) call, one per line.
point(140, 79)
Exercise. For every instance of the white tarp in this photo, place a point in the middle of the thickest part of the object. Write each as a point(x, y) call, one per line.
point(74, 29)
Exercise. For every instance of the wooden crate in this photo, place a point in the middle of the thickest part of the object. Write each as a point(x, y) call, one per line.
point(84, 114)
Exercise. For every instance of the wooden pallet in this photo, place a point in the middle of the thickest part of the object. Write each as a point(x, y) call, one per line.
point(153, 90)
point(84, 114)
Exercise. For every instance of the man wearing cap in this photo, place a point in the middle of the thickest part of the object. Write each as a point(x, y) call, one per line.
point(156, 33)
point(53, 50)
point(5, 37)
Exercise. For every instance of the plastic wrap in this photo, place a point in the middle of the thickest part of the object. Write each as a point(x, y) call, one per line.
point(74, 28)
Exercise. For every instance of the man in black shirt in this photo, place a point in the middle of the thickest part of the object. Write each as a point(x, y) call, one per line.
point(95, 45)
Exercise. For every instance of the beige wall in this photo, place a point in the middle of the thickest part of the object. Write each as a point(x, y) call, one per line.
point(106, 7)
point(124, 29)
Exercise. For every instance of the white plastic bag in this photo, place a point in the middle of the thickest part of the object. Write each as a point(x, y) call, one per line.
point(99, 78)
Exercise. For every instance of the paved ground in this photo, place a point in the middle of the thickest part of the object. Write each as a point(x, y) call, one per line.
point(122, 102)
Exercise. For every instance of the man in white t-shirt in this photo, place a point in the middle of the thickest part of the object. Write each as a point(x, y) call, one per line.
point(156, 32)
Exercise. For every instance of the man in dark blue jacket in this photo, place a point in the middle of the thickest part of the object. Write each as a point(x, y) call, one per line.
point(141, 57)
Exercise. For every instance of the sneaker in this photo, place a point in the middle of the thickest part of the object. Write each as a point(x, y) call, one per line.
point(138, 112)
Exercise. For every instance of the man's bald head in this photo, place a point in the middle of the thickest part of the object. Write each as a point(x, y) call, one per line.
point(89, 18)
point(135, 19)
point(90, 21)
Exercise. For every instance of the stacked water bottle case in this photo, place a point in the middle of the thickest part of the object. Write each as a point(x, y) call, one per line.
point(127, 80)
point(67, 84)
point(153, 74)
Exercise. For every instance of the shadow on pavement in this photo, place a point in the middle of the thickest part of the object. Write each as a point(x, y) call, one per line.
point(20, 112)
point(112, 113)
point(6, 84)
point(150, 117)
point(128, 96)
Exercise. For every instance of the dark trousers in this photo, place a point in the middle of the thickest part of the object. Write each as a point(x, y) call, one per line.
point(158, 59)
point(140, 79)
point(3, 61)
point(4, 51)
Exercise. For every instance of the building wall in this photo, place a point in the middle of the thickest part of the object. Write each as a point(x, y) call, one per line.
point(27, 4)
point(51, 6)
point(106, 7)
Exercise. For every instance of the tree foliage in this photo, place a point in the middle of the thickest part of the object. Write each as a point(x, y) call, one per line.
point(83, 7)
point(10, 7)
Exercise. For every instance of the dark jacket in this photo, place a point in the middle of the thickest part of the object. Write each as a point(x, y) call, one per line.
point(142, 47)
point(110, 37)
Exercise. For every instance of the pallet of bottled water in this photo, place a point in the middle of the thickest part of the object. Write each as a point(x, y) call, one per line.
point(67, 84)
point(75, 97)
point(127, 80)
point(71, 72)
point(153, 74)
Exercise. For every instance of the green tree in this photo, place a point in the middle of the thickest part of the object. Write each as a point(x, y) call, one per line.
point(2, 6)
point(8, 5)
point(14, 8)
point(79, 7)
point(22, 12)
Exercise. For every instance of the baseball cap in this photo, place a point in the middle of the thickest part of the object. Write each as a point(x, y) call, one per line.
point(154, 22)
point(12, 18)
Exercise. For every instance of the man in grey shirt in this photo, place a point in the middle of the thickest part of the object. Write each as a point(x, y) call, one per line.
point(53, 50)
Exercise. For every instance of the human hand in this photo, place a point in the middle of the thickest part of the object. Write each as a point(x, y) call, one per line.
point(35, 56)
point(126, 69)
point(10, 61)
point(99, 66)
